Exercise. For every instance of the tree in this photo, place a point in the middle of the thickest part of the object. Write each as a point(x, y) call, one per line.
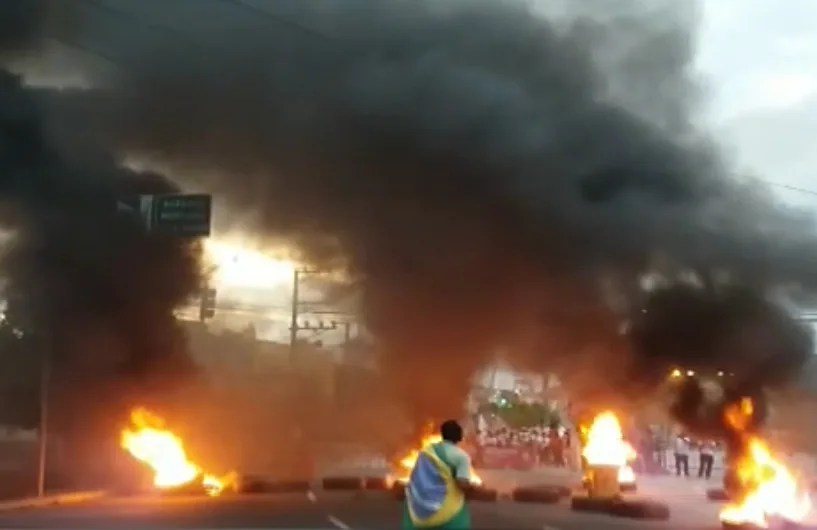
point(519, 414)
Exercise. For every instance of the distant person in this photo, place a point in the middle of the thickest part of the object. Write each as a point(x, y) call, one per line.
point(707, 458)
point(435, 493)
point(556, 445)
point(681, 450)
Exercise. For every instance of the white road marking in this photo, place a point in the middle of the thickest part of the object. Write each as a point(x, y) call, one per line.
point(340, 524)
point(548, 527)
point(311, 496)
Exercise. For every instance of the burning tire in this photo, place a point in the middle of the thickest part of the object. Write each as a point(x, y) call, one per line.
point(256, 485)
point(191, 488)
point(482, 494)
point(640, 510)
point(782, 524)
point(539, 494)
point(745, 526)
point(717, 495)
point(376, 483)
point(591, 504)
point(343, 483)
point(398, 491)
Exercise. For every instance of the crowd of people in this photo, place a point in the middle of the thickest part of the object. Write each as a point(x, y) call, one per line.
point(553, 446)
point(549, 445)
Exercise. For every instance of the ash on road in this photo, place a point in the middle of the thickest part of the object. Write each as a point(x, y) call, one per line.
point(323, 510)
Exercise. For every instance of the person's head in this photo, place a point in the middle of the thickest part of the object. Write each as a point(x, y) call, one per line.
point(451, 431)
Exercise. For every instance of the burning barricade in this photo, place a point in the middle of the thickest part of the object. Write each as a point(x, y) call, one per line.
point(607, 457)
point(147, 440)
point(760, 487)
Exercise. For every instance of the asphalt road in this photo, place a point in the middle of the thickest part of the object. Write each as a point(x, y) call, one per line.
point(326, 510)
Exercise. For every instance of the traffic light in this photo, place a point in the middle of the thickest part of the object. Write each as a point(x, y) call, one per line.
point(207, 308)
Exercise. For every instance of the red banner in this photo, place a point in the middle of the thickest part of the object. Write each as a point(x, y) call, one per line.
point(521, 458)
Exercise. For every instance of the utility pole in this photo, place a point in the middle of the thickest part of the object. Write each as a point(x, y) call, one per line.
point(347, 334)
point(293, 323)
point(296, 306)
point(45, 382)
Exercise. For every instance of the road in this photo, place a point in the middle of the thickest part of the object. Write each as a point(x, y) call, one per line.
point(338, 510)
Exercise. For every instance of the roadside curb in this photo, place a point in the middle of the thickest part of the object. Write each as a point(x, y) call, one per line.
point(50, 500)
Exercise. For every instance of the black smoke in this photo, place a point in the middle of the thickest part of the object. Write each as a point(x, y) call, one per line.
point(85, 285)
point(493, 175)
point(735, 338)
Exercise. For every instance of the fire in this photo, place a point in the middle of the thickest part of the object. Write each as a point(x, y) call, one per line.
point(768, 489)
point(605, 446)
point(772, 490)
point(240, 266)
point(626, 475)
point(148, 441)
point(406, 464)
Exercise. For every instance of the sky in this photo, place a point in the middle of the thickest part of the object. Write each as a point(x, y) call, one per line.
point(759, 62)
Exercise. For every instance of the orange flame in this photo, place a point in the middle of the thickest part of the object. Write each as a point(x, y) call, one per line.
point(148, 441)
point(605, 446)
point(406, 464)
point(769, 488)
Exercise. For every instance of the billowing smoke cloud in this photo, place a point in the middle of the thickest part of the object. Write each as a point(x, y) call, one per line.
point(21, 26)
point(495, 175)
point(83, 281)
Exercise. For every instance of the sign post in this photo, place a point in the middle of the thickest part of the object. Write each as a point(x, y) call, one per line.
point(177, 214)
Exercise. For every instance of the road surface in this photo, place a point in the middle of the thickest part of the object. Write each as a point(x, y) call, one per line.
point(337, 510)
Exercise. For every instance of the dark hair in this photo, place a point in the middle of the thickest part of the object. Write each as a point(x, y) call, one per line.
point(451, 431)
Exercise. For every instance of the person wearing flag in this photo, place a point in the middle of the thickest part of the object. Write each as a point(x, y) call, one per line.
point(437, 486)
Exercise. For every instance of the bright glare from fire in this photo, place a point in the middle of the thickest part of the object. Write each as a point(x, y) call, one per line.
point(768, 489)
point(605, 445)
point(626, 475)
point(406, 464)
point(772, 490)
point(239, 266)
point(148, 441)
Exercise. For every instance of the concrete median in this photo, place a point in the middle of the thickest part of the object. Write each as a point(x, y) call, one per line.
point(51, 500)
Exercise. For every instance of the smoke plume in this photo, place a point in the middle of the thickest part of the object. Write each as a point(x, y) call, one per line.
point(83, 281)
point(494, 173)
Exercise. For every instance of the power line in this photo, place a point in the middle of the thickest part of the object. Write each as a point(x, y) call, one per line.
point(789, 187)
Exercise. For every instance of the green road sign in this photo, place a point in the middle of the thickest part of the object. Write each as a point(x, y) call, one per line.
point(185, 215)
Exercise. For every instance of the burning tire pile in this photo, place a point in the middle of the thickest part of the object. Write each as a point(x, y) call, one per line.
point(148, 440)
point(758, 487)
point(606, 458)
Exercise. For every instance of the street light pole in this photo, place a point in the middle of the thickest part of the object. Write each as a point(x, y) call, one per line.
point(45, 382)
